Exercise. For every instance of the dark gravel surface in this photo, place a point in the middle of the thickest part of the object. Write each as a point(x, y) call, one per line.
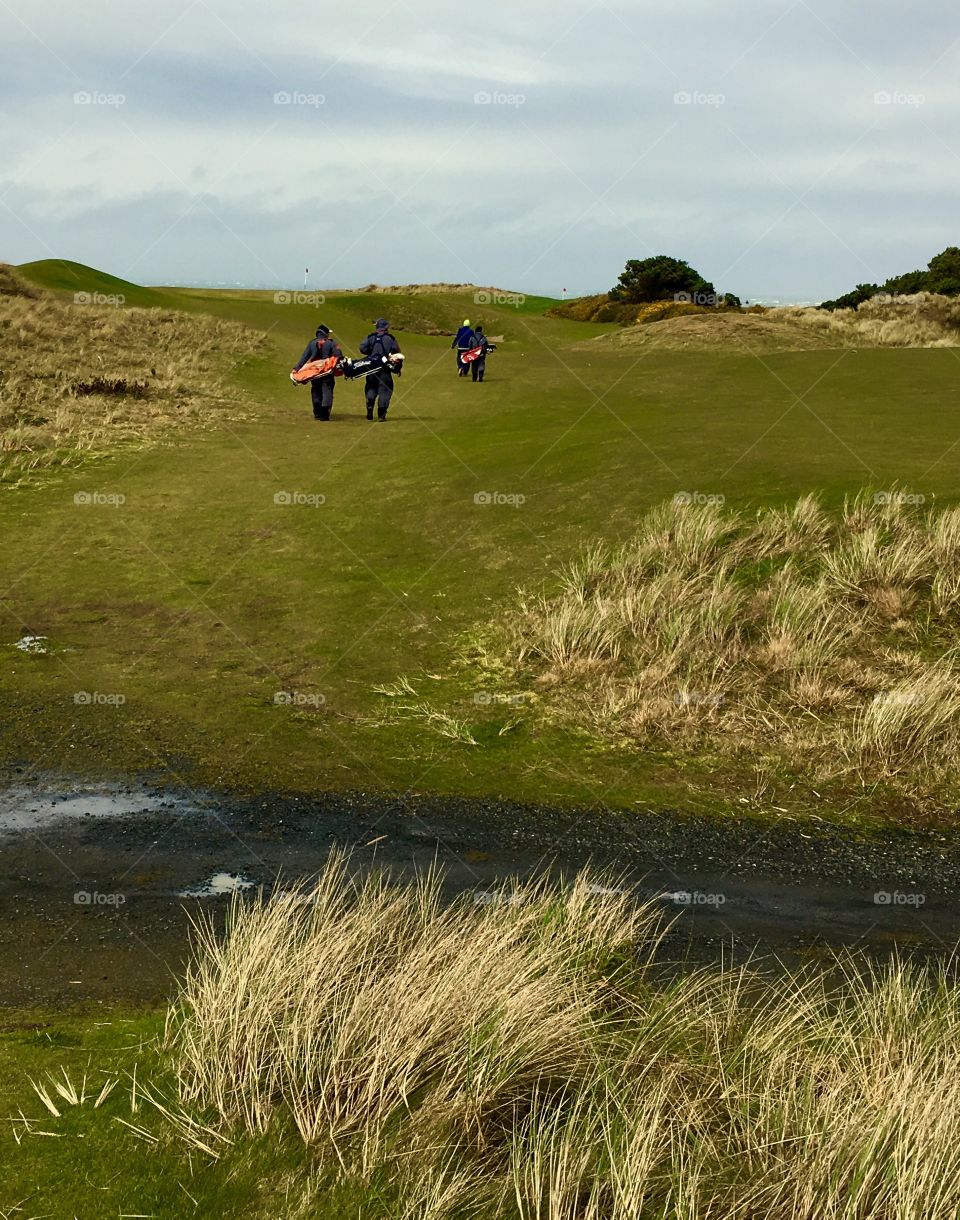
point(91, 878)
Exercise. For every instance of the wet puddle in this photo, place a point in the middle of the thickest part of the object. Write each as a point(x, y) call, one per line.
point(25, 808)
point(37, 644)
point(220, 885)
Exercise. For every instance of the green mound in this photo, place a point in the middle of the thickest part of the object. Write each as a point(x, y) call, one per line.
point(430, 310)
point(63, 275)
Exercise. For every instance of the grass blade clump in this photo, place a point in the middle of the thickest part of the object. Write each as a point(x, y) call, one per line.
point(356, 1003)
point(820, 643)
point(522, 1058)
point(79, 380)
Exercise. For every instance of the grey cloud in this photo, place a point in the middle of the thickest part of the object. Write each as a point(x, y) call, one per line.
point(593, 113)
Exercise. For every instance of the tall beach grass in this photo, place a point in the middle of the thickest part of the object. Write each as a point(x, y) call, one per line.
point(521, 1057)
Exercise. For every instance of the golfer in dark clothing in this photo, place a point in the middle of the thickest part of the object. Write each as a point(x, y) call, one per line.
point(379, 384)
point(321, 388)
point(464, 340)
point(479, 366)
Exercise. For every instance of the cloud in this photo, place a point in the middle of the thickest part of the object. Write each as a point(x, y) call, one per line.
point(535, 146)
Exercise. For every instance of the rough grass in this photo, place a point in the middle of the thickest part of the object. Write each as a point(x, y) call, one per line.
point(626, 313)
point(417, 290)
point(518, 1058)
point(921, 320)
point(823, 642)
point(79, 379)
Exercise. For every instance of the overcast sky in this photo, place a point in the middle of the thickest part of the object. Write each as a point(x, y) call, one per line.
point(526, 144)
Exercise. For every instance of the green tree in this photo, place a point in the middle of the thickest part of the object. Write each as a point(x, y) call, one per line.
point(850, 300)
point(910, 281)
point(659, 279)
point(944, 273)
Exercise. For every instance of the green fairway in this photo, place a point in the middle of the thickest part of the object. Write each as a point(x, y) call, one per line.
point(201, 598)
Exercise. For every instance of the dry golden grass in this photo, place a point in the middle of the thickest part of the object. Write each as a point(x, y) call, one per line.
point(822, 641)
point(920, 320)
point(521, 1059)
point(79, 380)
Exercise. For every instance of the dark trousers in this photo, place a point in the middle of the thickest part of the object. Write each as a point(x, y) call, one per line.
point(379, 391)
point(321, 391)
point(478, 368)
point(461, 367)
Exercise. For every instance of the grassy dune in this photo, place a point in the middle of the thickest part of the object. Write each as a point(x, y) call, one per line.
point(920, 320)
point(88, 376)
point(357, 1048)
point(820, 643)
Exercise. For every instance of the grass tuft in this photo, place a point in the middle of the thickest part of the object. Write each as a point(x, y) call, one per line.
point(523, 1059)
point(78, 380)
point(820, 642)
